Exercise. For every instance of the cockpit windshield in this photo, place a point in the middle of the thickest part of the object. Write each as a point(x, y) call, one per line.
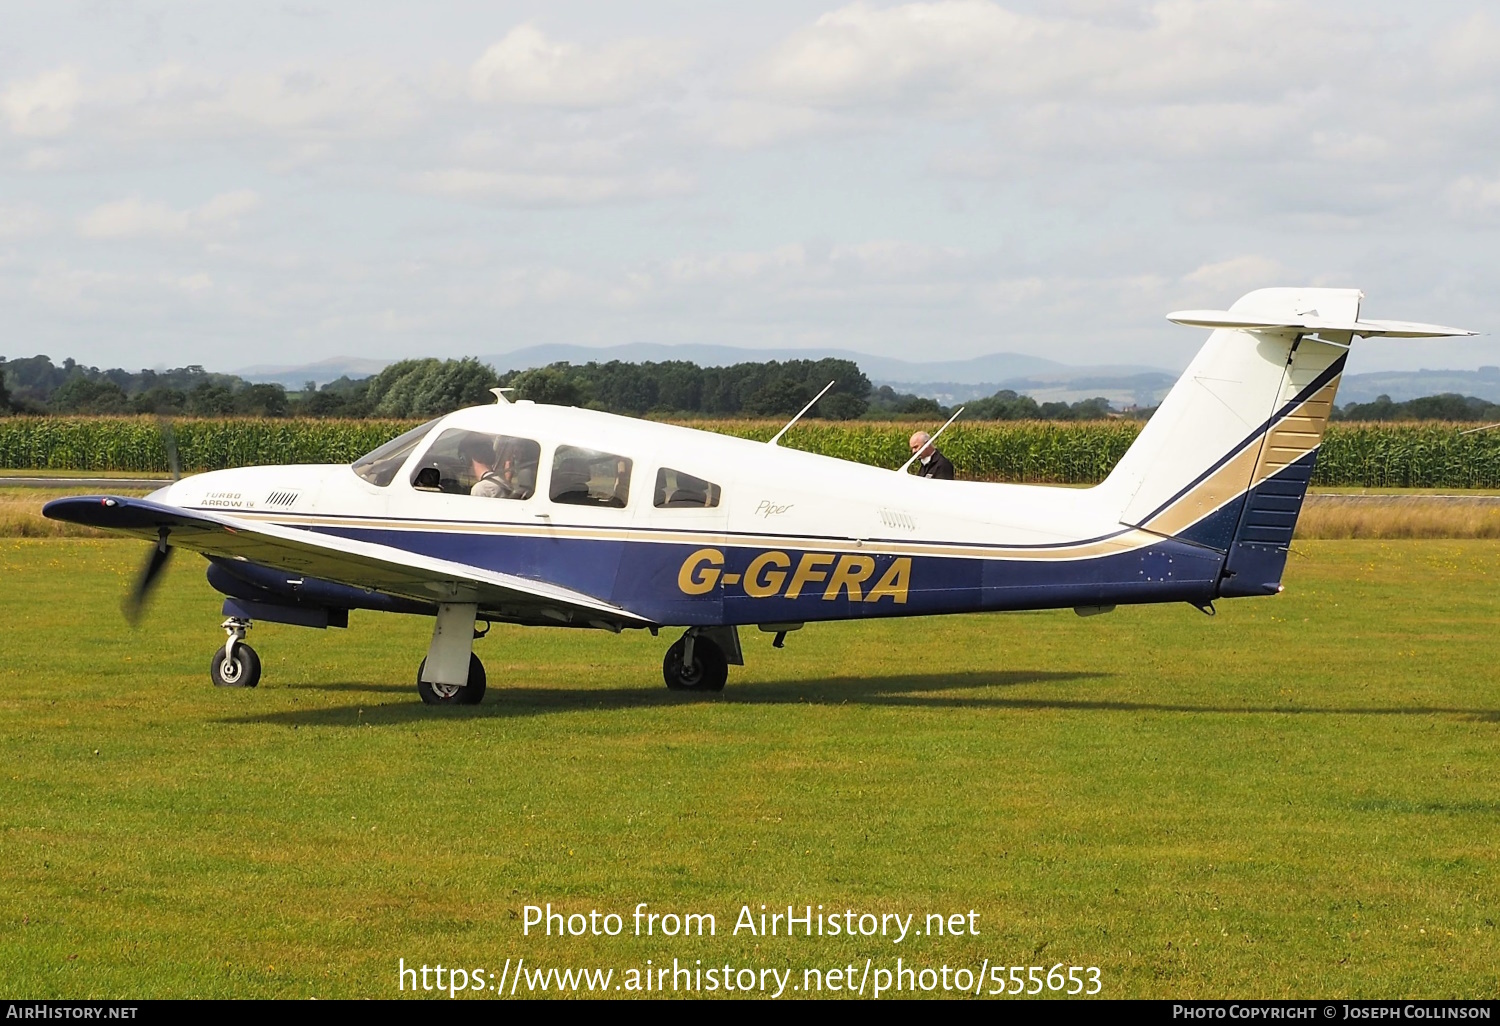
point(379, 466)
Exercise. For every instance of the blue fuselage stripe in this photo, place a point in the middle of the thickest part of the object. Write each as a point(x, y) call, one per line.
point(649, 578)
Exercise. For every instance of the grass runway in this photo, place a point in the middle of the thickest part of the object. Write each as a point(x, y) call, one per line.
point(1295, 798)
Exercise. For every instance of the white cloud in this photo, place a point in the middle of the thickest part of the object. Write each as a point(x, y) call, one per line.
point(1229, 279)
point(22, 220)
point(744, 124)
point(42, 158)
point(1473, 195)
point(76, 289)
point(339, 98)
point(526, 67)
point(877, 262)
point(551, 189)
point(135, 218)
point(226, 209)
point(44, 105)
point(963, 51)
point(1466, 51)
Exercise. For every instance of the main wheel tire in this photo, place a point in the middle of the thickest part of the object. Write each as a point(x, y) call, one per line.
point(243, 671)
point(708, 672)
point(451, 694)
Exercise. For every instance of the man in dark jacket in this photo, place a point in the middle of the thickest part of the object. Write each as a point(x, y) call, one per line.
point(931, 463)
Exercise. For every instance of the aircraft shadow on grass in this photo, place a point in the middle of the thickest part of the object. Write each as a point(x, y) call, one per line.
point(917, 690)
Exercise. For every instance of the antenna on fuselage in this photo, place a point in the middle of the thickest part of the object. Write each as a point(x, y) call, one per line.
point(500, 397)
point(930, 441)
point(798, 417)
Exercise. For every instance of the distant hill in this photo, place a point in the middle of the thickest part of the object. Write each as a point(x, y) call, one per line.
point(1122, 390)
point(947, 381)
point(994, 367)
point(1483, 383)
point(324, 371)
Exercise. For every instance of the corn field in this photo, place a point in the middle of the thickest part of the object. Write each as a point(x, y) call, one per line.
point(1039, 451)
point(138, 443)
point(1422, 455)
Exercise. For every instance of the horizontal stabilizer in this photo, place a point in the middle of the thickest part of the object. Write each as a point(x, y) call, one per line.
point(1362, 328)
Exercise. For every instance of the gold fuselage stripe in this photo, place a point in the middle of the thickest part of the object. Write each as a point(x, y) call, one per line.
point(1125, 541)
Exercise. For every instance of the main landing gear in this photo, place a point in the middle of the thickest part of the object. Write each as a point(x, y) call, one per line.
point(695, 663)
point(453, 694)
point(442, 679)
point(235, 665)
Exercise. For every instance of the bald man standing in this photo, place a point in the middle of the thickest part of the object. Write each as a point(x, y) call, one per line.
point(930, 463)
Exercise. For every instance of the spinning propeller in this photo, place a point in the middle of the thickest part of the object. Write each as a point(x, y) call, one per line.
point(135, 602)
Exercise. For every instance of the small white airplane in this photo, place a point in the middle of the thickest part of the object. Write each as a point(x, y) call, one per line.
point(553, 516)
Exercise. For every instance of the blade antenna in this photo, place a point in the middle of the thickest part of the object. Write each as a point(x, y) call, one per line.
point(798, 417)
point(931, 441)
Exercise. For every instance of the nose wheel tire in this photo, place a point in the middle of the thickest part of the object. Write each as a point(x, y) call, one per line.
point(707, 672)
point(453, 694)
point(242, 670)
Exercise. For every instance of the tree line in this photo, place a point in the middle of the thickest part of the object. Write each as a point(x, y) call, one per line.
point(1448, 406)
point(429, 387)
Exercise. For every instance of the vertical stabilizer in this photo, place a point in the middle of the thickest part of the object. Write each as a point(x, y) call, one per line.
point(1226, 460)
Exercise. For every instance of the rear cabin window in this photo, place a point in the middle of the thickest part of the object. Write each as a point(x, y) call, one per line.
point(678, 490)
point(379, 466)
point(480, 464)
point(587, 477)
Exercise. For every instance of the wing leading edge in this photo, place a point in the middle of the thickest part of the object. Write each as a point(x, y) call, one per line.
point(356, 563)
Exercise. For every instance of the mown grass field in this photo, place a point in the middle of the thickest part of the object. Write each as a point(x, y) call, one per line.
point(1295, 798)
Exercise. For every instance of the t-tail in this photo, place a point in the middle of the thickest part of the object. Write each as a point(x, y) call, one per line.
point(1226, 460)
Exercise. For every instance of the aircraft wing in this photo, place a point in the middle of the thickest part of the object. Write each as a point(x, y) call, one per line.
point(359, 564)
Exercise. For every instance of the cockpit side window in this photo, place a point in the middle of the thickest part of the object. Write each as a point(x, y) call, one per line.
point(678, 490)
point(587, 477)
point(379, 466)
point(478, 463)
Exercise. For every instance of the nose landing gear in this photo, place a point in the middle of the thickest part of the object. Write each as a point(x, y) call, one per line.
point(235, 665)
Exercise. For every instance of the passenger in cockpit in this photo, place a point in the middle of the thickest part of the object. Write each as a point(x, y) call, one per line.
point(518, 464)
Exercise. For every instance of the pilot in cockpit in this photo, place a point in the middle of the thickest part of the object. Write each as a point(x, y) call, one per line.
point(480, 452)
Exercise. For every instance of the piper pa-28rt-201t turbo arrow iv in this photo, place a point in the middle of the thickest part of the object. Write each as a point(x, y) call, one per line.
point(553, 516)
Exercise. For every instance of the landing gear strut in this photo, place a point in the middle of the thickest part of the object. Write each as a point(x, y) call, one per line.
point(441, 679)
point(235, 665)
point(694, 663)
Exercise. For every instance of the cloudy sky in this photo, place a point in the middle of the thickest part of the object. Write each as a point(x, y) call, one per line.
point(237, 184)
